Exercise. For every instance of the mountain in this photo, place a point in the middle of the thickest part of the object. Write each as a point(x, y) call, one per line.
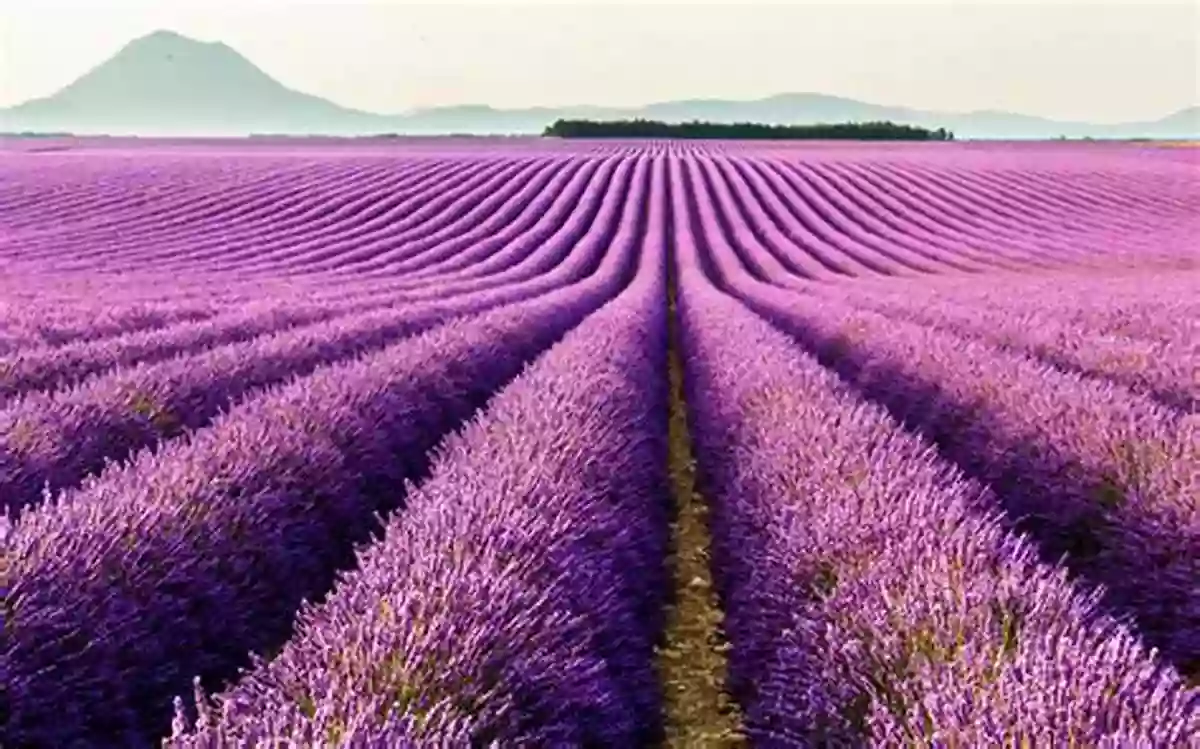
point(1184, 124)
point(168, 84)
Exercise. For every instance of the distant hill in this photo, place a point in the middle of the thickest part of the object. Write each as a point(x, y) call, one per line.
point(168, 84)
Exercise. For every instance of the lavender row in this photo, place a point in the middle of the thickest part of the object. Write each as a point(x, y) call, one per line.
point(506, 239)
point(227, 532)
point(31, 288)
point(46, 369)
point(913, 218)
point(140, 202)
point(1055, 241)
point(795, 201)
point(537, 244)
point(822, 215)
point(917, 219)
point(22, 327)
point(1100, 478)
point(446, 217)
point(53, 441)
point(46, 210)
point(518, 599)
point(196, 225)
point(76, 194)
point(786, 235)
point(504, 255)
point(186, 560)
point(105, 213)
point(1004, 221)
point(44, 293)
point(809, 230)
point(796, 221)
point(273, 204)
point(375, 212)
point(423, 212)
point(1093, 472)
point(870, 595)
point(1149, 306)
point(503, 216)
point(321, 205)
point(856, 214)
point(1163, 370)
point(798, 235)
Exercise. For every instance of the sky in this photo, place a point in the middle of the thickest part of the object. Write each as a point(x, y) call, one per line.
point(1068, 59)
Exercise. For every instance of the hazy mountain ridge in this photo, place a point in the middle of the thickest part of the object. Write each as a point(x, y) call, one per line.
point(167, 84)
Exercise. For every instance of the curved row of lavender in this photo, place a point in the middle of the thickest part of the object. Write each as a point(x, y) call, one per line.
point(868, 215)
point(541, 532)
point(475, 262)
point(220, 362)
point(1145, 306)
point(975, 197)
point(870, 593)
point(245, 520)
point(251, 515)
point(49, 441)
point(1149, 561)
point(1110, 481)
point(1163, 369)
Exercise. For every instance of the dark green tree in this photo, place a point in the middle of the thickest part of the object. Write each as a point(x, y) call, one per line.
point(642, 128)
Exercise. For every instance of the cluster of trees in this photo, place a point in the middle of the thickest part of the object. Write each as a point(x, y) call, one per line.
point(641, 128)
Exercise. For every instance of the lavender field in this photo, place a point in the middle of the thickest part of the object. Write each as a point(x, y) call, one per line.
point(519, 442)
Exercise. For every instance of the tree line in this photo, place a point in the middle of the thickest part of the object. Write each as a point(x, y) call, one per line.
point(641, 128)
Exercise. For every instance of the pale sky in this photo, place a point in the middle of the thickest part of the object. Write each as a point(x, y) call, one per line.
point(1098, 61)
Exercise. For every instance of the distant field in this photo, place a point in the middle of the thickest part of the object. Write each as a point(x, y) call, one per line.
point(581, 443)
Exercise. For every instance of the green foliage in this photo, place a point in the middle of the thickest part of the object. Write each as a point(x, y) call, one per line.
point(641, 128)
